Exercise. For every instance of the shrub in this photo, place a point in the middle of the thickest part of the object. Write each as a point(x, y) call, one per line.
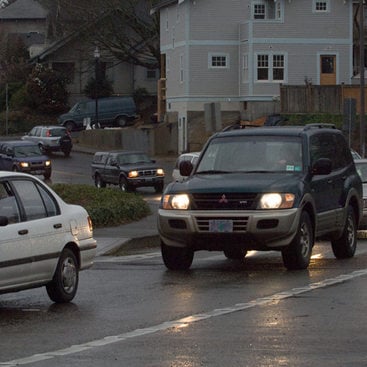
point(106, 207)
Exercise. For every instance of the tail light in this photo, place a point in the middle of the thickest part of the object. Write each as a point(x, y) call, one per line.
point(90, 223)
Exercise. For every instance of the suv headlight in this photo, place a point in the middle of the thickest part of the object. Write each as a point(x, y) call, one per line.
point(277, 201)
point(24, 164)
point(178, 201)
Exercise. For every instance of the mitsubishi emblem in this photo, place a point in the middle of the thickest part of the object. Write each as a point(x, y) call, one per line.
point(223, 200)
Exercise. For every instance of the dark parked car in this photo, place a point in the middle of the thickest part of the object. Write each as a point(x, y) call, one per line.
point(24, 156)
point(118, 111)
point(51, 139)
point(267, 188)
point(128, 169)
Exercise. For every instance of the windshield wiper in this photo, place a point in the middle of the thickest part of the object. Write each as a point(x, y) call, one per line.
point(213, 171)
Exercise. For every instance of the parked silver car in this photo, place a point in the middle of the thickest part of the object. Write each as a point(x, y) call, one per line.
point(44, 241)
point(51, 139)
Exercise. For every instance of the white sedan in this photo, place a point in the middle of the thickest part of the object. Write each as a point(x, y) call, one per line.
point(44, 241)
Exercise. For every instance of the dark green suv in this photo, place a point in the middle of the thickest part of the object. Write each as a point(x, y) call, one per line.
point(266, 188)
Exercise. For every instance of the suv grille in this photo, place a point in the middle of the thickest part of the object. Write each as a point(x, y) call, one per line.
point(239, 223)
point(224, 201)
point(147, 172)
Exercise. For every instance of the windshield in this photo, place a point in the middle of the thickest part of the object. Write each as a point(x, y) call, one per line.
point(252, 154)
point(27, 151)
point(133, 158)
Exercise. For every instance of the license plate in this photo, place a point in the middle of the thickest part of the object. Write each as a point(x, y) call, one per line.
point(220, 225)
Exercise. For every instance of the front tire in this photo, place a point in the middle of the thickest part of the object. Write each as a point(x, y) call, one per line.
point(159, 188)
point(345, 246)
point(121, 121)
point(64, 284)
point(124, 186)
point(98, 182)
point(47, 174)
point(297, 255)
point(177, 258)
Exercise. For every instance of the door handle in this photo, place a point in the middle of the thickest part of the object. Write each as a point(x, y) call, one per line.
point(57, 225)
point(23, 232)
point(330, 182)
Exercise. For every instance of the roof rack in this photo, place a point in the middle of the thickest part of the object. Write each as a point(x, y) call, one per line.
point(319, 126)
point(238, 126)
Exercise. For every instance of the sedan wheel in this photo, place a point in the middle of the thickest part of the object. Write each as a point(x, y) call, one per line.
point(64, 284)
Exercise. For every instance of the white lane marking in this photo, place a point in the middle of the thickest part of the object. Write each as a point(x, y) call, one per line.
point(185, 321)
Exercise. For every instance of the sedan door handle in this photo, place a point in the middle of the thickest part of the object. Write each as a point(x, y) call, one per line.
point(23, 232)
point(57, 225)
point(330, 182)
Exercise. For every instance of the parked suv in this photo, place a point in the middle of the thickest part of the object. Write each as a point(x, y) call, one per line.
point(24, 156)
point(266, 188)
point(51, 139)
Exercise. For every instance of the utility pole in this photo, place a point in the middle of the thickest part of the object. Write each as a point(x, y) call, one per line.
point(361, 73)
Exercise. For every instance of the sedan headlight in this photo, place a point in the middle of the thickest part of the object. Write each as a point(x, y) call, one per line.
point(178, 201)
point(277, 201)
point(24, 164)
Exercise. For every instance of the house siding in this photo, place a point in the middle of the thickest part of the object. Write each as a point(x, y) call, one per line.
point(215, 26)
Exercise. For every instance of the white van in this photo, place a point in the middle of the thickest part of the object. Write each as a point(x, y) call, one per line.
point(112, 112)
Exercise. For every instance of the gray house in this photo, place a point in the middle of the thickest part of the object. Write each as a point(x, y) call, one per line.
point(224, 61)
point(72, 54)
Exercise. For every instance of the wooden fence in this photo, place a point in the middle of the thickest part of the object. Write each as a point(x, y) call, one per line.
point(318, 98)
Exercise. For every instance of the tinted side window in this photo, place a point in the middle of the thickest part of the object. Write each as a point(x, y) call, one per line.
point(8, 204)
point(32, 201)
point(323, 146)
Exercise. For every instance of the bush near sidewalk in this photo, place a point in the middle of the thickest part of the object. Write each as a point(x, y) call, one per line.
point(107, 207)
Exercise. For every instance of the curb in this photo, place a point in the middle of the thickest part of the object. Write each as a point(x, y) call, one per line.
point(133, 246)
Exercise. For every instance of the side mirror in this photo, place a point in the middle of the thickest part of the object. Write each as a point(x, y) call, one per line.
point(186, 168)
point(114, 162)
point(322, 167)
point(3, 221)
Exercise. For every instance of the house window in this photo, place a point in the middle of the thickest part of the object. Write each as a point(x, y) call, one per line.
point(259, 11)
point(266, 9)
point(321, 6)
point(270, 67)
point(151, 74)
point(218, 61)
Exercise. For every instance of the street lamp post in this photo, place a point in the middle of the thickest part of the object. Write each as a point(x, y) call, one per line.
point(96, 70)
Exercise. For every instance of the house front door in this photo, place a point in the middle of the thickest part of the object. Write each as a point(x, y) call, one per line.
point(327, 70)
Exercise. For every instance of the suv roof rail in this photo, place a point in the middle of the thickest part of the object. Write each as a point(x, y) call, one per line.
point(319, 126)
point(237, 126)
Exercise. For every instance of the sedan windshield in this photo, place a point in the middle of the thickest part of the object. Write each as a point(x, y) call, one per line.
point(252, 154)
point(27, 151)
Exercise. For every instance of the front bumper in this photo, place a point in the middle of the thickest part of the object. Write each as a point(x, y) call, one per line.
point(215, 230)
point(145, 181)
